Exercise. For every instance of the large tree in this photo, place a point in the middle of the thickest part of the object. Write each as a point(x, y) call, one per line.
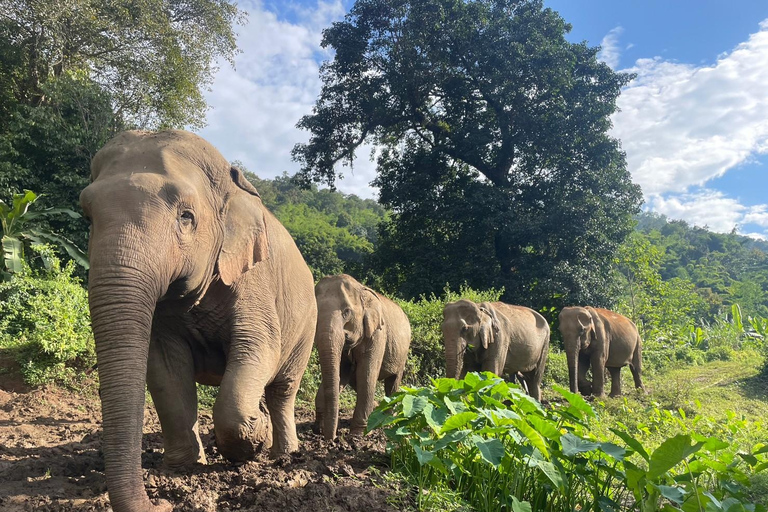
point(494, 152)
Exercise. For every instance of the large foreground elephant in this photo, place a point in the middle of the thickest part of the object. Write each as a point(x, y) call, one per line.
point(191, 280)
point(505, 339)
point(599, 339)
point(361, 337)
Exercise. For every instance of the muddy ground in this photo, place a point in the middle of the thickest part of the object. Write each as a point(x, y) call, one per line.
point(50, 460)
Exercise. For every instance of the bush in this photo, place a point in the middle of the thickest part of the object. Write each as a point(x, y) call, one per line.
point(556, 371)
point(500, 450)
point(426, 359)
point(44, 319)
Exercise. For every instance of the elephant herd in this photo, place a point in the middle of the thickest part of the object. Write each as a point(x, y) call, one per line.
point(193, 280)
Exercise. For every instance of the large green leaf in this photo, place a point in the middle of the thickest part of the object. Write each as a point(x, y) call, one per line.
point(533, 436)
point(74, 252)
point(435, 416)
point(413, 405)
point(553, 473)
point(632, 443)
point(520, 506)
point(576, 400)
point(458, 420)
point(671, 453)
point(574, 445)
point(51, 211)
point(491, 450)
point(13, 254)
point(674, 494)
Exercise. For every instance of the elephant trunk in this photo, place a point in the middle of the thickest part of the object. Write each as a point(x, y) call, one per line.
point(453, 363)
point(122, 302)
point(330, 343)
point(573, 368)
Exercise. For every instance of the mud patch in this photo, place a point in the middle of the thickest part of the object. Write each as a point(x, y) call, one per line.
point(50, 460)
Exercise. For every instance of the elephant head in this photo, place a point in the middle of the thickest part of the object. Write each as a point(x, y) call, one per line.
point(582, 331)
point(169, 216)
point(348, 314)
point(468, 324)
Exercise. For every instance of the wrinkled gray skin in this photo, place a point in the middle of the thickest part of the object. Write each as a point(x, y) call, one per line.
point(598, 339)
point(361, 337)
point(506, 340)
point(191, 280)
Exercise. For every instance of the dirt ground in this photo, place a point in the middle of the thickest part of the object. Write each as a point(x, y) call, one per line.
point(50, 460)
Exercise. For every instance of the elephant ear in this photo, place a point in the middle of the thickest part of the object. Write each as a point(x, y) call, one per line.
point(373, 319)
point(488, 309)
point(599, 333)
point(245, 233)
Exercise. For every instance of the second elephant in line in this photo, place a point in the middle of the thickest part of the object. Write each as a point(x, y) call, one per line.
point(361, 337)
point(506, 339)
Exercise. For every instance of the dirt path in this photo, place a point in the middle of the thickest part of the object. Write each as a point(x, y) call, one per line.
point(50, 460)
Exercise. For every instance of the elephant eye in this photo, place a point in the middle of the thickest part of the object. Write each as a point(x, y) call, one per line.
point(187, 217)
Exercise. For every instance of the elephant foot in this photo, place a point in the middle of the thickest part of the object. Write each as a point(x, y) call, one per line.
point(242, 443)
point(161, 506)
point(144, 505)
point(614, 395)
point(176, 460)
point(357, 431)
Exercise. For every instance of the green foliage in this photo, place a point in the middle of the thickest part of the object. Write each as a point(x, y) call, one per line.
point(18, 233)
point(44, 320)
point(494, 158)
point(500, 450)
point(335, 233)
point(426, 359)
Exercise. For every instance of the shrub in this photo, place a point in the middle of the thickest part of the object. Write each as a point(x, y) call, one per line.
point(500, 450)
point(556, 371)
point(44, 319)
point(427, 356)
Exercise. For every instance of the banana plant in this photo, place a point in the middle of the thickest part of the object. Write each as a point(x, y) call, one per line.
point(18, 231)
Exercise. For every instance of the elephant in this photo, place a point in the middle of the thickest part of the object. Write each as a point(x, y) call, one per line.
point(361, 337)
point(191, 280)
point(599, 339)
point(506, 339)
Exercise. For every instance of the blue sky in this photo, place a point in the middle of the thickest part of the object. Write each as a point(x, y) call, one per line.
point(694, 124)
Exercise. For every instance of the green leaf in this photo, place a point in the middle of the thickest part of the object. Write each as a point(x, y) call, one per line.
point(423, 456)
point(632, 443)
point(376, 419)
point(534, 437)
point(520, 506)
point(614, 451)
point(458, 420)
point(606, 504)
point(574, 445)
point(576, 400)
point(553, 473)
point(13, 254)
point(52, 211)
point(671, 452)
point(413, 405)
point(74, 252)
point(435, 416)
point(491, 450)
point(674, 494)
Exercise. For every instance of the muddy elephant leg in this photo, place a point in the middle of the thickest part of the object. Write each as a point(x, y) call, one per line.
point(281, 398)
point(615, 381)
point(598, 376)
point(392, 383)
point(533, 382)
point(171, 381)
point(366, 375)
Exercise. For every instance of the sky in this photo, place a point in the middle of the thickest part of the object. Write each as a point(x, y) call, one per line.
point(693, 123)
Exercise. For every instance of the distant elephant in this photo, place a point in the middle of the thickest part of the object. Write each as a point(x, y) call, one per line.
point(362, 337)
point(506, 340)
point(599, 339)
point(191, 280)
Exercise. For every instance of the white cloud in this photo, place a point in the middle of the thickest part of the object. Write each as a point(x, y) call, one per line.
point(255, 107)
point(713, 209)
point(610, 51)
point(683, 125)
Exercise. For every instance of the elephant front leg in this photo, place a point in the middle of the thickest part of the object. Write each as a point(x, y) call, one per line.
point(598, 376)
point(171, 382)
point(344, 379)
point(369, 357)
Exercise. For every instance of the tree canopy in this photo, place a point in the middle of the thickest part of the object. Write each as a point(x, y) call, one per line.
point(494, 155)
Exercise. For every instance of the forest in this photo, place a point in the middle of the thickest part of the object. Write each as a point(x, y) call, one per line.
point(536, 209)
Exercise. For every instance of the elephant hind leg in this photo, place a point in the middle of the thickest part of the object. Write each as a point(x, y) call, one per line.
point(281, 400)
point(392, 383)
point(637, 365)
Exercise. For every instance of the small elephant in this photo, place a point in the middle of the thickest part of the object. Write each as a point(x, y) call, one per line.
point(361, 337)
point(599, 339)
point(506, 339)
point(191, 280)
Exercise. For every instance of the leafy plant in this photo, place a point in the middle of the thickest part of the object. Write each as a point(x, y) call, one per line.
point(501, 450)
point(18, 232)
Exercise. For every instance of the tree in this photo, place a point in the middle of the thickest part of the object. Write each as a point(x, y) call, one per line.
point(494, 153)
point(152, 57)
